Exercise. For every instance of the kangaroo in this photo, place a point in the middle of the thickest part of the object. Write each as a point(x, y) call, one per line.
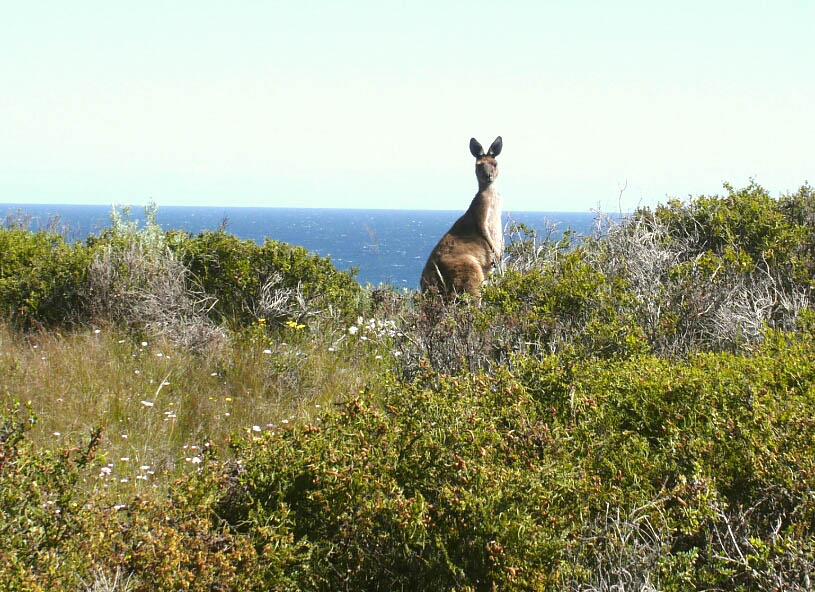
point(475, 243)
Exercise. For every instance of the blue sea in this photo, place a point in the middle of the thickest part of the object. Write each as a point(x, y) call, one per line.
point(386, 246)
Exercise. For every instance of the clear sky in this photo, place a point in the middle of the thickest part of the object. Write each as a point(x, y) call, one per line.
point(372, 103)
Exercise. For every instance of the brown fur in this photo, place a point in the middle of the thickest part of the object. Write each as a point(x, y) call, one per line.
point(466, 254)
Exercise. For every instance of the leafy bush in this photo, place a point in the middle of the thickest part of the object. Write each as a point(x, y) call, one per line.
point(389, 497)
point(562, 474)
point(42, 278)
point(551, 297)
point(479, 482)
point(57, 535)
point(747, 222)
point(41, 511)
point(569, 303)
point(733, 265)
point(247, 279)
point(167, 284)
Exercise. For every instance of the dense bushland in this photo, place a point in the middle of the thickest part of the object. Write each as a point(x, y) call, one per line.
point(165, 283)
point(628, 410)
point(525, 480)
point(709, 275)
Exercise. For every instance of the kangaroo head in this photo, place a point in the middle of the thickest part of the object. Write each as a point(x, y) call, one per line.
point(486, 167)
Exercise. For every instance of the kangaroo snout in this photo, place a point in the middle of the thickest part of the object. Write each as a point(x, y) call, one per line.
point(487, 174)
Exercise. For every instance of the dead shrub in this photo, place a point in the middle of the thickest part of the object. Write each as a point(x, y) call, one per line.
point(150, 290)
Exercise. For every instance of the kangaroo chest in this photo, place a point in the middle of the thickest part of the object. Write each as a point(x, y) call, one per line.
point(493, 223)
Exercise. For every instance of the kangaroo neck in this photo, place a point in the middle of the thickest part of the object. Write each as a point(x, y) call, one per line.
point(487, 189)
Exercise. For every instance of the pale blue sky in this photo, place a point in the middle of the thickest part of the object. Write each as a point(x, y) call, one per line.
point(372, 104)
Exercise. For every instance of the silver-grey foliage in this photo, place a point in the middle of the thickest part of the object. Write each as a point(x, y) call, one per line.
point(627, 550)
point(149, 289)
point(682, 297)
point(727, 308)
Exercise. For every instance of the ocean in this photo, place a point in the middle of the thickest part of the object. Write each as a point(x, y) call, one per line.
point(387, 246)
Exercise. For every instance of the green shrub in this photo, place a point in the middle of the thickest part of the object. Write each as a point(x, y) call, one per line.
point(237, 272)
point(423, 495)
point(42, 278)
point(58, 534)
point(479, 481)
point(165, 283)
point(732, 265)
point(746, 223)
point(549, 299)
point(799, 210)
point(568, 303)
point(42, 512)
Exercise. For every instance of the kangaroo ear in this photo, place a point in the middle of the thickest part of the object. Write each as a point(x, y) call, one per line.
point(495, 147)
point(476, 148)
